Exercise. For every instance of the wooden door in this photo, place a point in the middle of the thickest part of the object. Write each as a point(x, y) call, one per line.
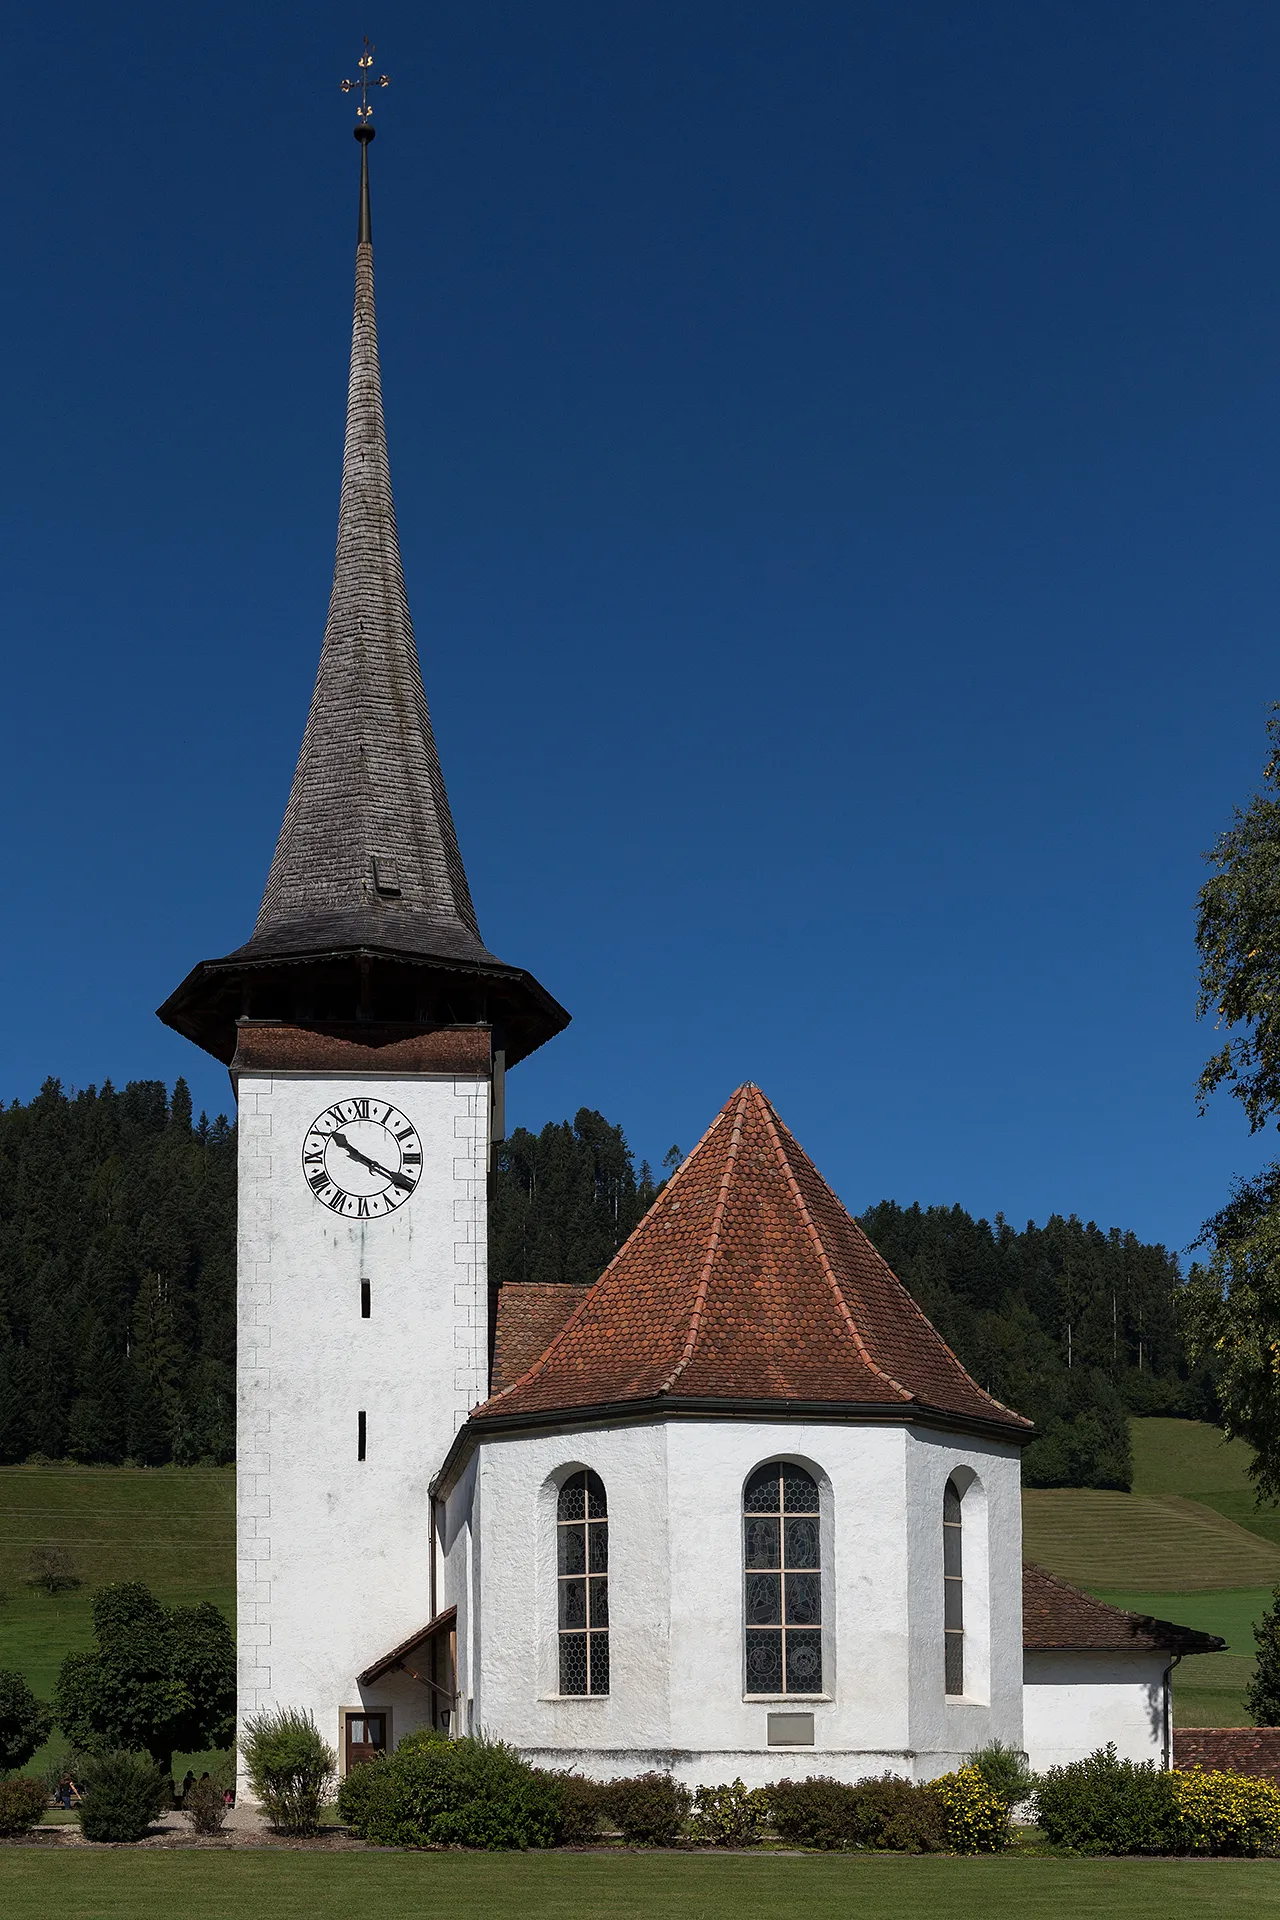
point(366, 1737)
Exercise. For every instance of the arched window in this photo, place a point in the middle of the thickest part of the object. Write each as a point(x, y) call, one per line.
point(953, 1587)
point(783, 1580)
point(582, 1567)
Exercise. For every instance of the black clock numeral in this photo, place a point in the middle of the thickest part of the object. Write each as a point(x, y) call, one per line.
point(362, 1109)
point(318, 1181)
point(412, 1159)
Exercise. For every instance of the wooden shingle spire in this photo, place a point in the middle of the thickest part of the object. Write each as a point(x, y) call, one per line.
point(367, 915)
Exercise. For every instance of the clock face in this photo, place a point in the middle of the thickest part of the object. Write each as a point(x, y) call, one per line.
point(362, 1158)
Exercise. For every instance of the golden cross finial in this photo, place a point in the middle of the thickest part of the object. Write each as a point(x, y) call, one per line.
point(364, 112)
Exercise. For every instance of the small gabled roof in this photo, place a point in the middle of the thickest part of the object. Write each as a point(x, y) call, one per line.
point(747, 1281)
point(1057, 1618)
point(530, 1313)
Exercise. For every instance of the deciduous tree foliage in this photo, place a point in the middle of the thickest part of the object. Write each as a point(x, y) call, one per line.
point(1233, 1303)
point(25, 1723)
point(159, 1679)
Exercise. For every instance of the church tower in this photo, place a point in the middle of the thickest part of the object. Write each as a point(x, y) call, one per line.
point(367, 1029)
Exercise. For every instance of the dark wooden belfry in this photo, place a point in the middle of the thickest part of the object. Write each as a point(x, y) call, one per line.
point(367, 919)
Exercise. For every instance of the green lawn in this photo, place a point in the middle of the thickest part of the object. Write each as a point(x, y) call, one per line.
point(310, 1886)
point(172, 1527)
point(1186, 1456)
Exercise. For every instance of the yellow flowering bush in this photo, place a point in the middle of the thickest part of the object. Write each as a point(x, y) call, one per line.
point(1227, 1812)
point(977, 1817)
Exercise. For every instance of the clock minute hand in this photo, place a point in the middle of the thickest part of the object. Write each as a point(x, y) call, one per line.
point(374, 1166)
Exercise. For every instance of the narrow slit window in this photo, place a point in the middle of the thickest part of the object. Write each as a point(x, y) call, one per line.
point(953, 1588)
point(782, 1580)
point(582, 1584)
point(364, 1299)
point(361, 1434)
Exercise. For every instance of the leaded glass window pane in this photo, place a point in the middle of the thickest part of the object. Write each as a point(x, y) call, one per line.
point(764, 1490)
point(804, 1599)
point(804, 1661)
point(573, 1663)
point(799, 1490)
point(802, 1543)
point(764, 1542)
point(582, 1550)
point(783, 1606)
point(764, 1660)
point(764, 1600)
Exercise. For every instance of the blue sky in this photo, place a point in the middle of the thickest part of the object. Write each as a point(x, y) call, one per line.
point(835, 453)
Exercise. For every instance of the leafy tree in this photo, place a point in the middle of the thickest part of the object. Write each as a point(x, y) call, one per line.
point(24, 1723)
point(1263, 1698)
point(1233, 1303)
point(159, 1679)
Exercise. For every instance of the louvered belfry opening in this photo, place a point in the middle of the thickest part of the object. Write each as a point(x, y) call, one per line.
point(367, 915)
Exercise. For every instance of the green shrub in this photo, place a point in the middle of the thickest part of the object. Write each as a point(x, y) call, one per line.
point(896, 1816)
point(729, 1816)
point(890, 1814)
point(290, 1767)
point(816, 1812)
point(24, 1723)
point(22, 1804)
point(437, 1792)
point(1005, 1771)
point(205, 1805)
point(1106, 1805)
point(650, 1808)
point(581, 1806)
point(123, 1793)
point(977, 1816)
point(1226, 1812)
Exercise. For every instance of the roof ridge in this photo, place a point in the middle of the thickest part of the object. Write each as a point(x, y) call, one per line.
point(536, 1366)
point(713, 1244)
point(914, 1304)
point(823, 1259)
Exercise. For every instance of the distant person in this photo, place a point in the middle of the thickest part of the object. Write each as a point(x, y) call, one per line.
point(188, 1781)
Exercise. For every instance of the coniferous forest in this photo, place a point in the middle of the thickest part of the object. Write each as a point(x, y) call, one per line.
point(117, 1285)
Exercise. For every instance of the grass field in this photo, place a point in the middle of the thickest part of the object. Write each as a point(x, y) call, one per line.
point(1188, 1544)
point(35, 1885)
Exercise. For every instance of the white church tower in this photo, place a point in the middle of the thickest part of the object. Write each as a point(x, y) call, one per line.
point(367, 1030)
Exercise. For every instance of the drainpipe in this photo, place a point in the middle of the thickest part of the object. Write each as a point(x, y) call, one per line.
point(1168, 1712)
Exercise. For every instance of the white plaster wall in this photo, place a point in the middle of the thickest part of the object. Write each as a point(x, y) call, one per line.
point(675, 1582)
point(989, 1475)
point(333, 1554)
point(1075, 1703)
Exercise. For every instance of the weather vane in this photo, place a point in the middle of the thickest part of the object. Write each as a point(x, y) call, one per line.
point(364, 112)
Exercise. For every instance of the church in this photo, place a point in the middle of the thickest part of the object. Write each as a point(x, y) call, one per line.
point(735, 1510)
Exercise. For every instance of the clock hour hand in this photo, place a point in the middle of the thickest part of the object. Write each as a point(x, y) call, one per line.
point(374, 1166)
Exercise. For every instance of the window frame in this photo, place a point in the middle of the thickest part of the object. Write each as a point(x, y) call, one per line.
point(820, 1514)
point(953, 1582)
point(594, 1580)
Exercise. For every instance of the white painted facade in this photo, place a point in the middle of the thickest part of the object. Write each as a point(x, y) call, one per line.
point(1078, 1702)
point(676, 1698)
point(333, 1552)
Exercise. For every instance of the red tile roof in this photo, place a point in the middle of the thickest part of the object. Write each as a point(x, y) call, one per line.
point(530, 1315)
point(1059, 1618)
point(747, 1279)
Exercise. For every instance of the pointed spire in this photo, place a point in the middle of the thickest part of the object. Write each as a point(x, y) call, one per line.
point(367, 914)
point(368, 847)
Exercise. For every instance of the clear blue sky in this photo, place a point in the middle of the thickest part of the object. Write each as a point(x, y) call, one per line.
point(836, 456)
